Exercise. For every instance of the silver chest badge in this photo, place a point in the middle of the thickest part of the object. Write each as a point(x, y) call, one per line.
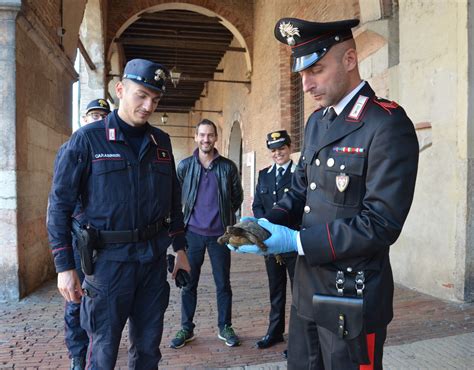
point(287, 30)
point(342, 182)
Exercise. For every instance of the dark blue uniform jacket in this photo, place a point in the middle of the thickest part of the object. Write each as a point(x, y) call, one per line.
point(118, 191)
point(372, 148)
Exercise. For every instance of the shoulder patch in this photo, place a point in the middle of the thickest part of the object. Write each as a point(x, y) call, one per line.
point(387, 105)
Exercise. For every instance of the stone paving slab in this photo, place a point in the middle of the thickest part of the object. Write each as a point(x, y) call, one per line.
point(454, 352)
point(31, 331)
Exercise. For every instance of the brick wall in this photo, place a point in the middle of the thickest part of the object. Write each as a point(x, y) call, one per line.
point(49, 12)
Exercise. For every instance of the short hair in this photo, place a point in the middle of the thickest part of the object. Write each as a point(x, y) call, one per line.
point(206, 122)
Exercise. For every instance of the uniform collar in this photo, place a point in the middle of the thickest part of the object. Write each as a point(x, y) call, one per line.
point(285, 166)
point(339, 107)
point(114, 133)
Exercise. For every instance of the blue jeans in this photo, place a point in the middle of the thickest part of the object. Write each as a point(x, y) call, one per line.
point(220, 262)
point(74, 335)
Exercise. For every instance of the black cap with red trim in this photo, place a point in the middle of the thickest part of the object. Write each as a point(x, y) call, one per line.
point(310, 41)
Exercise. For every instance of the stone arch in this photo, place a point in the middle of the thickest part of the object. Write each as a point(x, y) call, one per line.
point(91, 33)
point(234, 17)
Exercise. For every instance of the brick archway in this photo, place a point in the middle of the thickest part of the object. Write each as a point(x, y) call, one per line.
point(236, 18)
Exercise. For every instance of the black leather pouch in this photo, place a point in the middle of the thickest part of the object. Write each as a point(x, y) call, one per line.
point(343, 316)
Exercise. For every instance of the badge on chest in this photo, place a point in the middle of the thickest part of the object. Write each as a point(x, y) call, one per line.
point(342, 182)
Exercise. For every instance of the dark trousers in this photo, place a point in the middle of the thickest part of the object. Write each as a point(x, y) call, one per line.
point(220, 262)
point(118, 291)
point(336, 355)
point(277, 281)
point(313, 347)
point(74, 335)
point(304, 352)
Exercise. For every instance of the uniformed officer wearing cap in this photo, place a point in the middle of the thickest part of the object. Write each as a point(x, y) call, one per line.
point(96, 110)
point(122, 169)
point(75, 336)
point(273, 182)
point(352, 190)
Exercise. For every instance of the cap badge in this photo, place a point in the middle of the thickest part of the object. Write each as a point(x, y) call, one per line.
point(275, 135)
point(160, 75)
point(287, 30)
point(102, 103)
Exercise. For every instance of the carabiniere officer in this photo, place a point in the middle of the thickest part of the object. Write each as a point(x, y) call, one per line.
point(122, 170)
point(273, 182)
point(352, 190)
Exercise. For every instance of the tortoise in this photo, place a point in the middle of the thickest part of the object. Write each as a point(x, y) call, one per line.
point(247, 232)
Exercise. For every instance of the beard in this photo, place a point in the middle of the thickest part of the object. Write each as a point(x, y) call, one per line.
point(206, 148)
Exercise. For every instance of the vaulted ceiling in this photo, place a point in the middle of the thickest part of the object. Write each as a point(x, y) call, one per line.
point(193, 43)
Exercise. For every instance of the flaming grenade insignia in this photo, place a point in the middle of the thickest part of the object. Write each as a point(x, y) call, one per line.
point(287, 30)
point(160, 75)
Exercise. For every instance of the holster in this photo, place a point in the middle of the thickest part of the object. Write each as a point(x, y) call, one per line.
point(87, 241)
point(344, 317)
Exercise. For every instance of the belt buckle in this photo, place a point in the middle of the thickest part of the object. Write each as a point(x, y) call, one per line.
point(149, 231)
point(135, 235)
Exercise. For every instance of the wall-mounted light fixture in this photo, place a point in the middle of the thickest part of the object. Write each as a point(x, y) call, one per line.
point(164, 118)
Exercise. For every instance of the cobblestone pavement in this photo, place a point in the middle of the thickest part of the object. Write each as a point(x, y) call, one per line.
point(426, 333)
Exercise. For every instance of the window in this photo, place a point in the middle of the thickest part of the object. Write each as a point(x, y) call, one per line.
point(297, 112)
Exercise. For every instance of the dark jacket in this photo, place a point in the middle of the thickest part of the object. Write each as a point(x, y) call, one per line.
point(118, 190)
point(373, 144)
point(267, 193)
point(229, 186)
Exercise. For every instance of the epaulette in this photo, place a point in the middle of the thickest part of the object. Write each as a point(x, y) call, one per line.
point(387, 105)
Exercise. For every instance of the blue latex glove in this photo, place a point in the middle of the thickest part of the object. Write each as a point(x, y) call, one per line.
point(248, 218)
point(283, 240)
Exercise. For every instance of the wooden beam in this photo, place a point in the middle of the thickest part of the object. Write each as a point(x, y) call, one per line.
point(86, 56)
point(178, 44)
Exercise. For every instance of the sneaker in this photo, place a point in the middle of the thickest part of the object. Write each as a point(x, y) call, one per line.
point(78, 363)
point(228, 334)
point(182, 337)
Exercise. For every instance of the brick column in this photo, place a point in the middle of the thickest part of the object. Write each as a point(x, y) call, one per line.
point(9, 282)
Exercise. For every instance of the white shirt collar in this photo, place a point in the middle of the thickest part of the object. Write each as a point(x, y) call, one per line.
point(285, 166)
point(339, 107)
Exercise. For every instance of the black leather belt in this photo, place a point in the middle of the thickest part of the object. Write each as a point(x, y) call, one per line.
point(131, 236)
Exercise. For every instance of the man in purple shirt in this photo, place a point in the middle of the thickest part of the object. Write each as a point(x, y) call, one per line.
point(211, 194)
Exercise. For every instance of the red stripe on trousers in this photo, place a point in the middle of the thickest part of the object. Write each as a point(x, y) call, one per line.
point(371, 350)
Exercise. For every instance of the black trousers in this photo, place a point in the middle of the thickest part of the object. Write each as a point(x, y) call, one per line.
point(311, 347)
point(277, 282)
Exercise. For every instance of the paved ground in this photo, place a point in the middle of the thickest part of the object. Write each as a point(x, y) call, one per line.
point(426, 333)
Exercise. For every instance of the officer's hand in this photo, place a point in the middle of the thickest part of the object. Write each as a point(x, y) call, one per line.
point(69, 286)
point(181, 263)
point(283, 239)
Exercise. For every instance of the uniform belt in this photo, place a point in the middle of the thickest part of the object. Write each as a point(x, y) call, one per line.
point(131, 236)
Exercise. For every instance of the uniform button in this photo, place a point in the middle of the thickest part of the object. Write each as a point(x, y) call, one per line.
point(349, 269)
point(307, 209)
point(317, 161)
point(286, 189)
point(342, 167)
point(312, 186)
point(302, 158)
point(274, 192)
point(330, 162)
point(274, 203)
